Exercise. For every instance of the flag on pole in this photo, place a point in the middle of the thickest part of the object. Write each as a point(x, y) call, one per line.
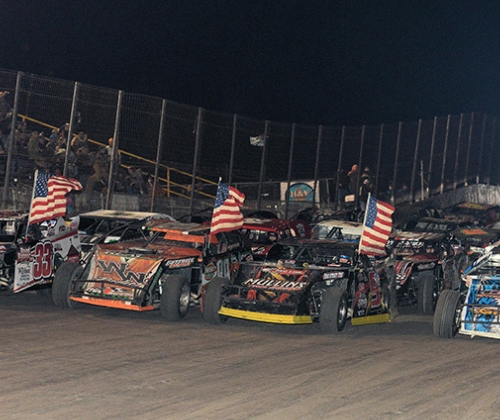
point(49, 196)
point(227, 215)
point(376, 227)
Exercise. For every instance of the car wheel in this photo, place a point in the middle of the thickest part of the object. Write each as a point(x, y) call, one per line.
point(175, 297)
point(447, 315)
point(62, 284)
point(333, 311)
point(213, 300)
point(427, 293)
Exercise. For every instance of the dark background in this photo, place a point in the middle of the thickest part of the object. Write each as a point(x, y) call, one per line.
point(308, 61)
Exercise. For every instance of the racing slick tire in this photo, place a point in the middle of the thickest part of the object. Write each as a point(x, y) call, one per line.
point(213, 300)
point(334, 310)
point(427, 293)
point(61, 285)
point(447, 315)
point(175, 297)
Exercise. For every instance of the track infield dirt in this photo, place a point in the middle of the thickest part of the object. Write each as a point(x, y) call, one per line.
point(94, 363)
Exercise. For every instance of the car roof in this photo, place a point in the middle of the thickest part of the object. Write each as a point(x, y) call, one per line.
point(346, 226)
point(13, 214)
point(265, 224)
point(125, 215)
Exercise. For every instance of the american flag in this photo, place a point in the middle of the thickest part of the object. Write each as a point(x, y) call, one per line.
point(377, 227)
point(49, 196)
point(227, 215)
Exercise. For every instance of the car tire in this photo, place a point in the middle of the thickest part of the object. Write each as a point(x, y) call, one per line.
point(62, 284)
point(447, 315)
point(212, 301)
point(427, 293)
point(333, 311)
point(175, 297)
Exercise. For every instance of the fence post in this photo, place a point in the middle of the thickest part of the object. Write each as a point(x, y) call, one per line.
point(377, 172)
point(457, 154)
point(445, 151)
point(415, 158)
point(395, 174)
point(70, 130)
point(158, 155)
point(233, 148)
point(339, 170)
point(114, 157)
point(262, 165)
point(195, 157)
point(360, 161)
point(316, 166)
point(289, 175)
point(10, 150)
point(431, 156)
point(471, 125)
point(481, 148)
point(493, 132)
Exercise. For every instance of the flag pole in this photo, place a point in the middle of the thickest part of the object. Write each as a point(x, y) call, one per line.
point(364, 220)
point(31, 202)
point(210, 232)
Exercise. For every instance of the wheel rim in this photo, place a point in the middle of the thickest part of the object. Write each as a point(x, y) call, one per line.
point(184, 299)
point(342, 314)
point(456, 318)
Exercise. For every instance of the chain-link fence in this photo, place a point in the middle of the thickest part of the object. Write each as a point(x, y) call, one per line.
point(169, 155)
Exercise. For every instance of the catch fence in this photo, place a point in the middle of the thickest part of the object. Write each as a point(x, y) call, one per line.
point(183, 150)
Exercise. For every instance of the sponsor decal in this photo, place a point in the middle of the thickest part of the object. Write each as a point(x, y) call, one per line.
point(428, 266)
point(210, 271)
point(283, 271)
point(275, 284)
point(185, 262)
point(333, 275)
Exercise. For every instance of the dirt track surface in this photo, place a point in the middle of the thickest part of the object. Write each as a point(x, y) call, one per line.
point(94, 363)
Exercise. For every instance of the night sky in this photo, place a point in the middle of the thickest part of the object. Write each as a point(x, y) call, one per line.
point(307, 61)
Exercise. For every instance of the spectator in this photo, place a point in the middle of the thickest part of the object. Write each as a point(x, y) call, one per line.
point(84, 164)
point(365, 189)
point(152, 191)
point(5, 112)
point(98, 180)
point(136, 182)
point(343, 185)
point(353, 176)
point(64, 131)
point(109, 148)
point(79, 141)
point(366, 175)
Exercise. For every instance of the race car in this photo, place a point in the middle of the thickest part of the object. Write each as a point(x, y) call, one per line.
point(473, 213)
point(428, 257)
point(474, 307)
point(167, 269)
point(339, 284)
point(431, 255)
point(113, 225)
point(341, 230)
point(263, 233)
point(29, 254)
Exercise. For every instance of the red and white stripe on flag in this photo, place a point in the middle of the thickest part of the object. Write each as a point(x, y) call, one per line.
point(227, 215)
point(377, 227)
point(49, 197)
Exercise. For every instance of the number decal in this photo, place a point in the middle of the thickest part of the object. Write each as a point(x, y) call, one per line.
point(43, 261)
point(376, 299)
point(223, 268)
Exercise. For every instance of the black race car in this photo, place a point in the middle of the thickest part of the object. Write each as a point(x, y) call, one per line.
point(321, 281)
